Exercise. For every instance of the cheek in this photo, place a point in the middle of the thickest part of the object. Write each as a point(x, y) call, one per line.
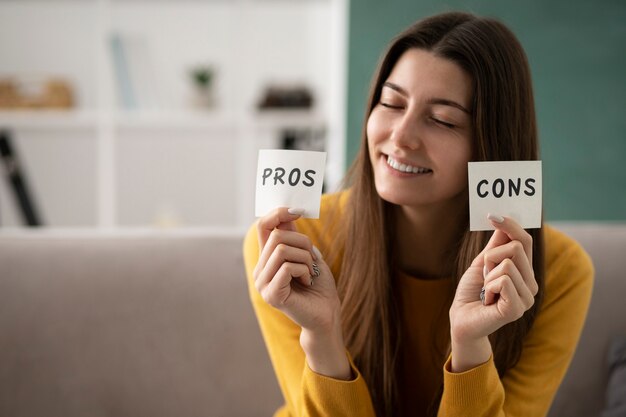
point(371, 132)
point(463, 154)
point(374, 128)
point(451, 154)
point(466, 153)
point(459, 158)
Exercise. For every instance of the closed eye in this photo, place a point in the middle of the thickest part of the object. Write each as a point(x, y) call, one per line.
point(442, 123)
point(390, 106)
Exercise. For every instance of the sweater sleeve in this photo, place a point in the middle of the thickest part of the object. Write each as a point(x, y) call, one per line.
point(306, 393)
point(529, 388)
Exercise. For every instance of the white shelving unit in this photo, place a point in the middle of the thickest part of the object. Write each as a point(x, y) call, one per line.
point(104, 166)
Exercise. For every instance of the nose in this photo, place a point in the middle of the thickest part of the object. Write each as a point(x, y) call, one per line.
point(407, 132)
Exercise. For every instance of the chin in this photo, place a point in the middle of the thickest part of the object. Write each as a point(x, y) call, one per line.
point(402, 198)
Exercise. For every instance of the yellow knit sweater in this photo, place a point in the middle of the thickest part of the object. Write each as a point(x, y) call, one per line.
point(525, 390)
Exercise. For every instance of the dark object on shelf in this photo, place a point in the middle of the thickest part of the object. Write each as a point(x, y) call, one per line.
point(277, 97)
point(17, 180)
point(304, 139)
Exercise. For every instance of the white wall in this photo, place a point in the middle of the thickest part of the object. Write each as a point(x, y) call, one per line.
point(50, 38)
point(161, 167)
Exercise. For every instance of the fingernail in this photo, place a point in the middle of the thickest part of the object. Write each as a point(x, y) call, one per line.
point(485, 271)
point(495, 218)
point(482, 295)
point(296, 211)
point(317, 253)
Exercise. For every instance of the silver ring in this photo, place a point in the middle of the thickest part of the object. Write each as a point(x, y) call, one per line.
point(316, 270)
point(316, 273)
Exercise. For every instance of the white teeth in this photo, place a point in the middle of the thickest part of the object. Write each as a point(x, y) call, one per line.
point(405, 168)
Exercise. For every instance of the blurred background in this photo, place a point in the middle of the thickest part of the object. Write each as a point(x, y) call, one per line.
point(117, 113)
point(577, 55)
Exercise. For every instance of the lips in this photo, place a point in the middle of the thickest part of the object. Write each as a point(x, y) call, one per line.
point(406, 168)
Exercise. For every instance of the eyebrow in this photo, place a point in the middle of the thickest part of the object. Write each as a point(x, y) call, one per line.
point(443, 101)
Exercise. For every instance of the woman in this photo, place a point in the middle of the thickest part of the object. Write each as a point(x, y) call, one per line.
point(388, 305)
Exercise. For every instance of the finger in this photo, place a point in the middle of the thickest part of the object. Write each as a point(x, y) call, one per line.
point(497, 238)
point(285, 237)
point(508, 268)
point(509, 303)
point(514, 231)
point(514, 251)
point(277, 292)
point(281, 255)
point(278, 218)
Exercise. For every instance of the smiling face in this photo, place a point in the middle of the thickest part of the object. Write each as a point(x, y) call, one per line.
point(419, 133)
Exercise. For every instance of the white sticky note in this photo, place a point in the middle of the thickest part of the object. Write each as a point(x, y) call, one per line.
point(506, 188)
point(290, 179)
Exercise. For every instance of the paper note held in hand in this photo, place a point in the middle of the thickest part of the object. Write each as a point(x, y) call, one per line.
point(289, 179)
point(506, 188)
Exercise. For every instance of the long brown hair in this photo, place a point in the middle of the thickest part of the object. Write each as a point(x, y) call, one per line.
point(504, 128)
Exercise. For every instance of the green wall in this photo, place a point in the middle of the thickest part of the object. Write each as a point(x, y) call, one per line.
point(577, 53)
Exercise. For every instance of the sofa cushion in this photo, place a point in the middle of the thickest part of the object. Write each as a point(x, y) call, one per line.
point(582, 393)
point(153, 324)
point(160, 324)
point(616, 390)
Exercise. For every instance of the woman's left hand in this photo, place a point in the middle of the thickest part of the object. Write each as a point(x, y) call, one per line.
point(504, 269)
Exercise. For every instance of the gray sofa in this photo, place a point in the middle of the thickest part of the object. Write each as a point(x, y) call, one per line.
point(158, 323)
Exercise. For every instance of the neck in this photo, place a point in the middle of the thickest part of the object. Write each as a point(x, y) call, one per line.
point(425, 236)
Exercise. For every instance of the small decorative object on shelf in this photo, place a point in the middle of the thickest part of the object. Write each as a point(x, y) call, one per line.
point(35, 93)
point(202, 77)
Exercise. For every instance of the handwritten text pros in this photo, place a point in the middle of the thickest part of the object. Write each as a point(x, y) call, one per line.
point(293, 178)
point(290, 179)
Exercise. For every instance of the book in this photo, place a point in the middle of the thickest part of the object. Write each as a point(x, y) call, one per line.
point(134, 72)
point(122, 73)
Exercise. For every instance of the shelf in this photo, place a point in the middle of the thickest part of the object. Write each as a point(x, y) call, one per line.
point(68, 119)
point(211, 119)
point(179, 119)
point(46, 119)
point(185, 119)
point(287, 119)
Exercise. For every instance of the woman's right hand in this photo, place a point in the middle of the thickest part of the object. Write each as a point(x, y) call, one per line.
point(286, 274)
point(287, 278)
